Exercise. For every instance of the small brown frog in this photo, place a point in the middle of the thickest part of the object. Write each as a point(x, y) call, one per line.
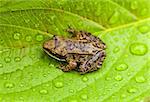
point(83, 52)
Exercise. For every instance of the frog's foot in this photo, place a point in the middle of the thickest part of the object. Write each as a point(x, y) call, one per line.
point(72, 65)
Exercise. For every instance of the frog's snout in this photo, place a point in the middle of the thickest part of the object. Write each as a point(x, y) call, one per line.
point(49, 45)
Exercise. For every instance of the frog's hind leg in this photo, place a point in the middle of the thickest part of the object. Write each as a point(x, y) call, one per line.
point(82, 35)
point(93, 63)
point(71, 65)
point(79, 35)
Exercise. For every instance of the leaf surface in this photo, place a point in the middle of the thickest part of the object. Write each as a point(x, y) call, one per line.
point(28, 74)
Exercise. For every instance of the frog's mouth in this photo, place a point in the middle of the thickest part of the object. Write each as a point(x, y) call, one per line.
point(55, 56)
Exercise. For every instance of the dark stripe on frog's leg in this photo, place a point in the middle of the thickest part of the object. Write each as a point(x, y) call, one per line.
point(71, 66)
point(79, 35)
point(92, 63)
point(83, 35)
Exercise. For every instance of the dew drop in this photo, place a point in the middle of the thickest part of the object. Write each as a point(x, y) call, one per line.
point(7, 59)
point(9, 85)
point(1, 65)
point(21, 85)
point(114, 18)
point(84, 97)
point(138, 49)
point(84, 79)
point(5, 78)
point(116, 49)
point(43, 91)
point(27, 20)
point(144, 11)
point(121, 67)
point(118, 78)
point(39, 37)
point(17, 36)
point(36, 25)
point(28, 38)
point(132, 90)
point(140, 79)
point(21, 99)
point(129, 73)
point(108, 78)
point(53, 17)
point(123, 95)
point(58, 84)
point(2, 42)
point(33, 90)
point(17, 59)
point(71, 91)
point(134, 5)
point(143, 29)
point(1, 51)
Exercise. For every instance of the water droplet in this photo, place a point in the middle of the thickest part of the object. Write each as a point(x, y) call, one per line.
point(138, 49)
point(134, 5)
point(114, 18)
point(71, 91)
point(108, 78)
point(132, 90)
point(17, 59)
point(44, 75)
point(118, 78)
point(17, 36)
point(144, 11)
point(39, 37)
point(58, 84)
point(43, 91)
point(116, 49)
point(129, 73)
point(52, 17)
point(143, 29)
point(140, 79)
point(84, 79)
point(1, 65)
point(37, 25)
point(121, 67)
point(123, 95)
point(21, 85)
point(27, 20)
point(1, 99)
point(9, 85)
point(21, 98)
point(84, 97)
point(28, 38)
point(7, 59)
point(1, 51)
point(5, 78)
point(33, 90)
point(51, 65)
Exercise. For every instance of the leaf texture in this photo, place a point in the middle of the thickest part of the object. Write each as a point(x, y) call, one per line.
point(28, 74)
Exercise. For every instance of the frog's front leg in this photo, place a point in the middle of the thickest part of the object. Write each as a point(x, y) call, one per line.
point(71, 65)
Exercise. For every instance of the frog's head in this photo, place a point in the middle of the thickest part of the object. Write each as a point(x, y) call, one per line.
point(50, 44)
point(50, 47)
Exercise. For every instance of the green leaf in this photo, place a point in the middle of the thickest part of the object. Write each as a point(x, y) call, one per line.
point(28, 74)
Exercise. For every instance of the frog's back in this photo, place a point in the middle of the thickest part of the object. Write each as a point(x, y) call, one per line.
point(80, 47)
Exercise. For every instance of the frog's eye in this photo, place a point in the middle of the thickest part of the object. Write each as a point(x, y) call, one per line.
point(55, 41)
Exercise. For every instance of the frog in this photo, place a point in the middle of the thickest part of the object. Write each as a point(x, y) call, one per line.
point(83, 52)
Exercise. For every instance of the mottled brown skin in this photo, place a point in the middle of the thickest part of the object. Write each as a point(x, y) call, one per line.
point(83, 52)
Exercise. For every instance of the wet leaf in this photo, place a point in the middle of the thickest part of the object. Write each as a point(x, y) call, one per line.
point(28, 74)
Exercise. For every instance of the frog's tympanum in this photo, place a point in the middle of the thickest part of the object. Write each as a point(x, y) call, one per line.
point(83, 52)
